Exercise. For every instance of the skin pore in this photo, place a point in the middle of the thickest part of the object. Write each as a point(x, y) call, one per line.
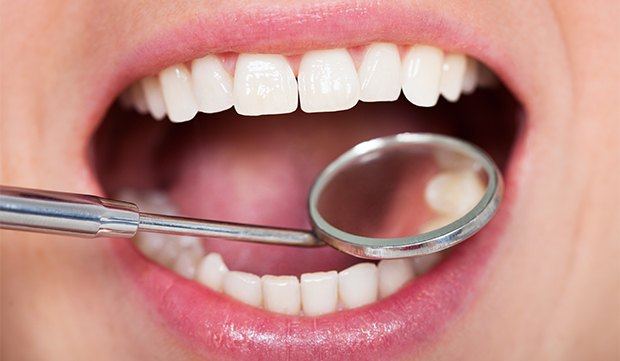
point(550, 292)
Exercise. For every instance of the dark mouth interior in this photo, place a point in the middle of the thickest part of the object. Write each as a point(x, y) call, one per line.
point(259, 169)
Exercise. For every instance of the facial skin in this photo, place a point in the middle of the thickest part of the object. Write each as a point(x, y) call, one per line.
point(551, 291)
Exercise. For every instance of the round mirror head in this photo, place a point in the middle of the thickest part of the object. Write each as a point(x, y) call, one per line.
point(404, 195)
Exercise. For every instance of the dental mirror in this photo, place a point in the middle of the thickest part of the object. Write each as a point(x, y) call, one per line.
point(398, 196)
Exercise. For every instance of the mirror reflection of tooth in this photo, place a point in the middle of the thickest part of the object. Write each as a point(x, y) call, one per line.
point(451, 160)
point(454, 192)
point(436, 223)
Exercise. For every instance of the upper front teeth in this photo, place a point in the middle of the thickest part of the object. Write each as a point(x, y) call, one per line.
point(327, 80)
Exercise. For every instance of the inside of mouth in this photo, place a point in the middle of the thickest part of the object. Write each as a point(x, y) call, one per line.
point(259, 170)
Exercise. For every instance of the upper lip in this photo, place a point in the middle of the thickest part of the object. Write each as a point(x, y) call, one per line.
point(217, 327)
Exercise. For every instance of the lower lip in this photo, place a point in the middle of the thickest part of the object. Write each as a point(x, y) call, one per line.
point(213, 325)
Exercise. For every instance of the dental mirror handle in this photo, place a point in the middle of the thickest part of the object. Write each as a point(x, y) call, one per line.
point(90, 216)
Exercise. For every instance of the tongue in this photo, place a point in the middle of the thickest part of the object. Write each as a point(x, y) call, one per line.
point(259, 171)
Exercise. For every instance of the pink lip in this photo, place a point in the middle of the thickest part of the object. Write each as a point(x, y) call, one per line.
point(215, 326)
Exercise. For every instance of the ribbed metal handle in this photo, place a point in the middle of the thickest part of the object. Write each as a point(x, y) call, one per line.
point(65, 213)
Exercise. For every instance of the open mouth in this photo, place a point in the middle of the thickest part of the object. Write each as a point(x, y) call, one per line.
point(240, 136)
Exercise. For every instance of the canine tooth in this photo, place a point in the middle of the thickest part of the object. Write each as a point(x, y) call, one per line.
point(423, 264)
point(137, 96)
point(393, 274)
point(153, 97)
point(319, 292)
point(244, 287)
point(213, 86)
point(452, 76)
point(454, 192)
point(211, 271)
point(264, 84)
point(470, 79)
point(421, 73)
point(358, 285)
point(379, 73)
point(281, 294)
point(178, 95)
point(327, 81)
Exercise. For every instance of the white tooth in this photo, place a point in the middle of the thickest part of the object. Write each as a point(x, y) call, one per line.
point(264, 84)
point(154, 97)
point(452, 76)
point(358, 285)
point(454, 192)
point(470, 80)
point(168, 252)
point(150, 243)
point(176, 86)
point(243, 286)
point(319, 292)
point(281, 294)
point(379, 73)
point(213, 86)
point(421, 73)
point(185, 264)
point(137, 96)
point(423, 264)
point(393, 274)
point(327, 81)
point(486, 78)
point(211, 271)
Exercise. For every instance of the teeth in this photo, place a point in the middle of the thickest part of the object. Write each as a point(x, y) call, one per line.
point(264, 84)
point(319, 292)
point(379, 73)
point(185, 265)
point(281, 294)
point(436, 223)
point(358, 285)
point(454, 192)
point(178, 95)
point(327, 81)
point(421, 74)
point(452, 76)
point(211, 271)
point(213, 86)
point(154, 97)
point(138, 98)
point(393, 274)
point(470, 79)
point(244, 287)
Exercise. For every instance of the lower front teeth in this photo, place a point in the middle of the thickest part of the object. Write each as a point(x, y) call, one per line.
point(317, 293)
point(327, 80)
